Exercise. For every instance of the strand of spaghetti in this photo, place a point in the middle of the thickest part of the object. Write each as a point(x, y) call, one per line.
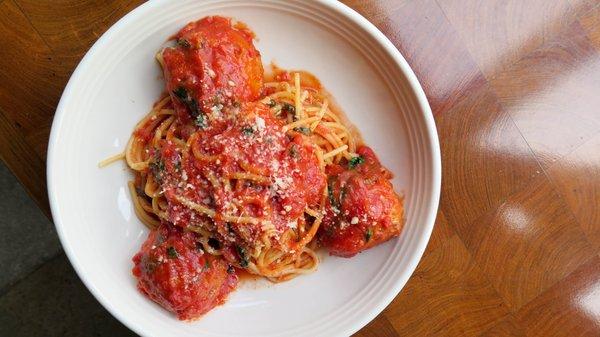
point(253, 169)
point(342, 134)
point(312, 212)
point(320, 158)
point(332, 115)
point(151, 188)
point(156, 209)
point(133, 153)
point(320, 115)
point(301, 122)
point(201, 156)
point(196, 207)
point(311, 233)
point(159, 58)
point(334, 152)
point(213, 214)
point(289, 271)
point(158, 133)
point(139, 210)
point(250, 176)
point(240, 219)
point(111, 159)
point(227, 184)
point(213, 180)
point(338, 157)
point(335, 125)
point(325, 132)
point(283, 94)
point(299, 113)
point(335, 143)
point(154, 114)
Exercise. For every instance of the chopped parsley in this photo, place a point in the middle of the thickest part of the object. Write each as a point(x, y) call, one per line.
point(335, 206)
point(230, 269)
point(354, 162)
point(158, 167)
point(294, 151)
point(248, 130)
point(184, 96)
point(242, 256)
point(287, 107)
point(200, 121)
point(272, 103)
point(302, 129)
point(184, 43)
point(206, 265)
point(172, 252)
point(368, 235)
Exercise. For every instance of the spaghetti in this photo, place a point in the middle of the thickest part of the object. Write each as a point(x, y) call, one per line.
point(309, 116)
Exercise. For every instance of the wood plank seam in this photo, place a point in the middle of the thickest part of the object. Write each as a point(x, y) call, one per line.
point(16, 3)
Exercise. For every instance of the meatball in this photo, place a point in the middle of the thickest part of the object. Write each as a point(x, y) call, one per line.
point(174, 272)
point(362, 209)
point(214, 64)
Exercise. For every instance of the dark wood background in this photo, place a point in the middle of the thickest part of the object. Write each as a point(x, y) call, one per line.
point(515, 89)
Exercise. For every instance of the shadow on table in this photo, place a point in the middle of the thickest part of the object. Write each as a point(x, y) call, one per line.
point(52, 301)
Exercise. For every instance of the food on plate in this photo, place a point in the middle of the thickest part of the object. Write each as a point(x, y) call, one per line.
point(238, 170)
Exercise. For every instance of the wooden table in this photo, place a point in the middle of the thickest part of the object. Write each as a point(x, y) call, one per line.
point(515, 89)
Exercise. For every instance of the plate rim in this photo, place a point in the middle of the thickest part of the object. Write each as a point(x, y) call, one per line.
point(349, 14)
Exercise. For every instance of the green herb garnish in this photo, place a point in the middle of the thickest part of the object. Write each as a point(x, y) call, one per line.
point(158, 167)
point(272, 103)
point(172, 253)
point(247, 130)
point(354, 162)
point(335, 206)
point(184, 96)
point(181, 93)
point(287, 107)
point(206, 265)
point(302, 129)
point(242, 256)
point(184, 43)
point(368, 235)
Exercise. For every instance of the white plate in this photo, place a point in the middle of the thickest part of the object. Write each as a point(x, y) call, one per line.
point(116, 84)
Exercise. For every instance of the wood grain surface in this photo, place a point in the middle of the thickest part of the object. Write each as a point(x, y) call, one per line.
point(515, 89)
